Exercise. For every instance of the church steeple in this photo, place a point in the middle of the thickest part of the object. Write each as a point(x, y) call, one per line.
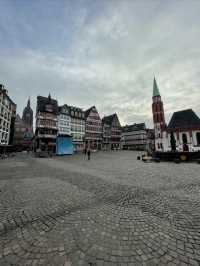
point(155, 88)
point(28, 103)
point(158, 116)
point(27, 116)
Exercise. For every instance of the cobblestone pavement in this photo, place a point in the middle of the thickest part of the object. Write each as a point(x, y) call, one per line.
point(113, 210)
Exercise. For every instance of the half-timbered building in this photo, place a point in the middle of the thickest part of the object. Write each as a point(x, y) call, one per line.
point(111, 129)
point(93, 129)
point(46, 123)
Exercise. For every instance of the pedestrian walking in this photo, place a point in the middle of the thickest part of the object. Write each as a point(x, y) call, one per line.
point(88, 154)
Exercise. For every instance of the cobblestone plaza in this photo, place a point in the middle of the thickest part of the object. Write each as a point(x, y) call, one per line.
point(112, 210)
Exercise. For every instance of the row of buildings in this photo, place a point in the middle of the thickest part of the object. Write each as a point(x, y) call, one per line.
point(86, 127)
point(88, 130)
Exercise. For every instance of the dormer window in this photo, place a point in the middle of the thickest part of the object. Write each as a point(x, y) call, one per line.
point(48, 108)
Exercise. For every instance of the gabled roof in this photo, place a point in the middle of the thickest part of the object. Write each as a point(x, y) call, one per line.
point(76, 112)
point(72, 111)
point(43, 101)
point(63, 109)
point(184, 119)
point(155, 88)
point(134, 127)
point(109, 119)
point(87, 112)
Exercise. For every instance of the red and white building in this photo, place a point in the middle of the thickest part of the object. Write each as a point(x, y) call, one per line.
point(184, 125)
point(93, 129)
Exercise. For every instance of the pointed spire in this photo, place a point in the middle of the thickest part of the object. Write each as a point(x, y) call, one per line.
point(49, 97)
point(29, 102)
point(155, 89)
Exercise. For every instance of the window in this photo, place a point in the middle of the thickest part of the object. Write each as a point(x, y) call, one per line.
point(184, 138)
point(198, 138)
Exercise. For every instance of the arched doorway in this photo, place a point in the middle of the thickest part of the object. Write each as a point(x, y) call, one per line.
point(198, 138)
point(184, 138)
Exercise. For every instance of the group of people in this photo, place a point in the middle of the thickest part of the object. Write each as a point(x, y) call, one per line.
point(87, 153)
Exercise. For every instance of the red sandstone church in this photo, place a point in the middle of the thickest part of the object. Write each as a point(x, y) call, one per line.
point(184, 127)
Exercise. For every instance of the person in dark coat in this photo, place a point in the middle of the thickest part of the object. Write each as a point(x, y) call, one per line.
point(88, 154)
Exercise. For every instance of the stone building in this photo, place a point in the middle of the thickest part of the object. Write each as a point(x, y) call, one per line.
point(111, 130)
point(7, 117)
point(71, 121)
point(93, 129)
point(20, 129)
point(46, 124)
point(134, 137)
point(23, 136)
point(184, 127)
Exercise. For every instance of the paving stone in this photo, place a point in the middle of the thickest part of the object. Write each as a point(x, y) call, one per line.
point(115, 210)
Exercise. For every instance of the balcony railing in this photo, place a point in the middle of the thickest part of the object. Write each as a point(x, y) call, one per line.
point(47, 126)
point(49, 136)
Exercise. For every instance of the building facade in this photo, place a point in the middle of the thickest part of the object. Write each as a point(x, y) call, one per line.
point(185, 126)
point(71, 121)
point(134, 137)
point(46, 124)
point(64, 120)
point(12, 124)
point(183, 129)
point(23, 136)
point(111, 132)
point(77, 127)
point(7, 116)
point(93, 129)
point(150, 140)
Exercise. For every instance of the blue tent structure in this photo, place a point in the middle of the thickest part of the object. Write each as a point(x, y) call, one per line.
point(64, 145)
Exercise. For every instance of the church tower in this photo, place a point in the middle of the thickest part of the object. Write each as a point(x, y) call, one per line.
point(158, 118)
point(27, 116)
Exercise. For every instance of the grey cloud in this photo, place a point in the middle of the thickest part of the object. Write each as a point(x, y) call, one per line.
point(111, 58)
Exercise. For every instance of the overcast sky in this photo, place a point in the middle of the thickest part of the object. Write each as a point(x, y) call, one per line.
point(102, 53)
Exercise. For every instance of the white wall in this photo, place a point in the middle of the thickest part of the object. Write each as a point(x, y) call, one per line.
point(64, 124)
point(192, 142)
